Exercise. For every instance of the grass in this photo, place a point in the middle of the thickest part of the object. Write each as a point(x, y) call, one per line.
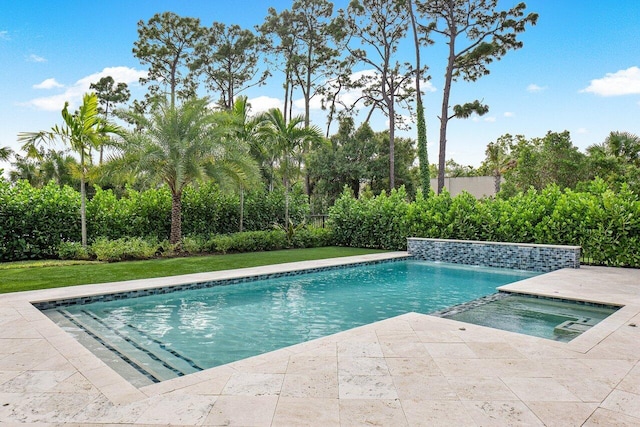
point(26, 276)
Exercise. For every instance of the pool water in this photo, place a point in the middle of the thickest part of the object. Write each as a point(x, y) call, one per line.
point(167, 335)
point(554, 319)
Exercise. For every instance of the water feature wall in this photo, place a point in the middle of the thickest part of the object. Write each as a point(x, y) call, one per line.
point(520, 256)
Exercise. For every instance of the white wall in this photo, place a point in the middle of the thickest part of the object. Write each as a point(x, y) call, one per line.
point(478, 186)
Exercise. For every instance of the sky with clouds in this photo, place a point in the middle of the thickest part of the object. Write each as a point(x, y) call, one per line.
point(578, 70)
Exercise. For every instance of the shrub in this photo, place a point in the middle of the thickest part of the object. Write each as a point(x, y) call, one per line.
point(123, 249)
point(73, 250)
point(605, 224)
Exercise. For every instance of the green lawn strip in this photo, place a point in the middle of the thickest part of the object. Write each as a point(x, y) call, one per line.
point(31, 277)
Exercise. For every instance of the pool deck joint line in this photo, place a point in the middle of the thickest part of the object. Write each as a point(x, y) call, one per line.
point(411, 370)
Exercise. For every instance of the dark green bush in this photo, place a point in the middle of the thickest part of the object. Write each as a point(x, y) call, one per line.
point(605, 224)
point(34, 221)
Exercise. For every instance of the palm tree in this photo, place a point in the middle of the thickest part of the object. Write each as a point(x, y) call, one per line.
point(237, 125)
point(5, 154)
point(82, 131)
point(182, 144)
point(289, 141)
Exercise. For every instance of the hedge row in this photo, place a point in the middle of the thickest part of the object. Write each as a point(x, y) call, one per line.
point(34, 221)
point(605, 224)
point(136, 248)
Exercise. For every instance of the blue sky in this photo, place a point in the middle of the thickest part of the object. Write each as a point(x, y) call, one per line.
point(579, 69)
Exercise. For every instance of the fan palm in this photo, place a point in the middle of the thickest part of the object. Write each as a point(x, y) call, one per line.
point(82, 131)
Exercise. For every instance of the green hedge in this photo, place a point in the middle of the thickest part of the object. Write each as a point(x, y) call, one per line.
point(605, 224)
point(34, 222)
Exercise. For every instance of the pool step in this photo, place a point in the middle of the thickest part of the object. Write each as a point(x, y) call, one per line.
point(577, 326)
point(147, 356)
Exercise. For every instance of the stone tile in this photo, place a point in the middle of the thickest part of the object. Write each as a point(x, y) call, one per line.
point(46, 407)
point(586, 389)
point(631, 381)
point(428, 335)
point(102, 410)
point(8, 375)
point(450, 351)
point(307, 412)
point(605, 418)
point(177, 408)
point(359, 349)
point(424, 388)
point(492, 368)
point(403, 349)
point(562, 414)
point(213, 386)
point(362, 366)
point(366, 387)
point(501, 413)
point(413, 366)
point(242, 384)
point(490, 388)
point(35, 381)
point(22, 361)
point(383, 412)
point(495, 350)
point(310, 386)
point(309, 365)
point(75, 383)
point(18, 345)
point(265, 364)
point(397, 335)
point(242, 411)
point(539, 389)
point(436, 413)
point(623, 402)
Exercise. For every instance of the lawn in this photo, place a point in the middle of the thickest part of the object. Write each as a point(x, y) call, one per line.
point(25, 276)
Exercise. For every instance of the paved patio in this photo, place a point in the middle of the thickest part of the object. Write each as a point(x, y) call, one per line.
point(409, 370)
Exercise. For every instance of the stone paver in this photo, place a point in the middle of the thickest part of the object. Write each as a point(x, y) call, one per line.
point(413, 370)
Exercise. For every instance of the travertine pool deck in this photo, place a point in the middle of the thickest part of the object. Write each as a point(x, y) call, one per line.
point(412, 370)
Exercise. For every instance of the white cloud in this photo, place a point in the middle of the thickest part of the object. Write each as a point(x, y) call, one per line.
point(623, 82)
point(73, 94)
point(4, 35)
point(264, 103)
point(582, 131)
point(535, 88)
point(36, 58)
point(509, 114)
point(490, 119)
point(48, 84)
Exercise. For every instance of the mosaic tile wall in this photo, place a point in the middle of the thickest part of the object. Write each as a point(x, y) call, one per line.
point(543, 258)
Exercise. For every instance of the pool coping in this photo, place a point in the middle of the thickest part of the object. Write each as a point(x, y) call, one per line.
point(23, 323)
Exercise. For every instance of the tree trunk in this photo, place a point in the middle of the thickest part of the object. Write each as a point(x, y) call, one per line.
point(444, 114)
point(423, 155)
point(83, 203)
point(176, 218)
point(83, 211)
point(286, 202)
point(241, 207)
point(496, 181)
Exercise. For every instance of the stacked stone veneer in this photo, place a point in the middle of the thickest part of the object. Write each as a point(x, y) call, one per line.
point(521, 256)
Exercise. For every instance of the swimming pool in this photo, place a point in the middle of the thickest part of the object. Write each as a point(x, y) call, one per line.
point(171, 334)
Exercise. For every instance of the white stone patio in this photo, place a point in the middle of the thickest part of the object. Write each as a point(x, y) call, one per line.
point(409, 370)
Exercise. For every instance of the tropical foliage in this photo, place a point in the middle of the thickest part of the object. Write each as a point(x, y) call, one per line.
point(606, 224)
